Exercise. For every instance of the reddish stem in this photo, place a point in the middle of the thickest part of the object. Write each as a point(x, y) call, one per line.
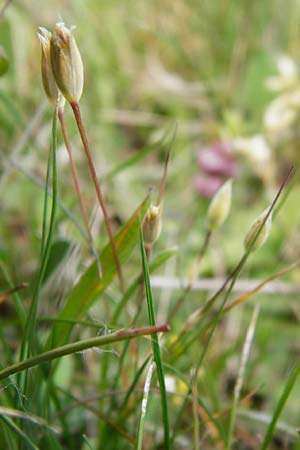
point(77, 114)
point(61, 117)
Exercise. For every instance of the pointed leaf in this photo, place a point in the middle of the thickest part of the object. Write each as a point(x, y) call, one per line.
point(90, 286)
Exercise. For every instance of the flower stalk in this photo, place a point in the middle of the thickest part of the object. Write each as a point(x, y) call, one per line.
point(61, 117)
point(77, 114)
point(67, 68)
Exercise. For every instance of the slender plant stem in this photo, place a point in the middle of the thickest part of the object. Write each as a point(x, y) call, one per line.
point(147, 386)
point(11, 424)
point(45, 207)
point(31, 318)
point(232, 279)
point(156, 347)
point(163, 182)
point(195, 412)
point(80, 346)
point(241, 374)
point(192, 320)
point(61, 117)
point(5, 295)
point(280, 405)
point(78, 118)
point(188, 288)
point(242, 298)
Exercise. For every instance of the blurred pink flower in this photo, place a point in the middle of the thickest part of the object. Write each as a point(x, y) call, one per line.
point(207, 185)
point(216, 163)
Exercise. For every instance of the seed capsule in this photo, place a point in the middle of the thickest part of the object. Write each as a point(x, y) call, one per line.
point(48, 79)
point(66, 63)
point(220, 206)
point(152, 225)
point(263, 235)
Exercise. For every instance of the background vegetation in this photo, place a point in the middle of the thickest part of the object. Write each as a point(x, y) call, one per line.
point(227, 73)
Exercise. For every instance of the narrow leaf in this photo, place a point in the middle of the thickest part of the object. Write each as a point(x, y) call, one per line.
point(90, 286)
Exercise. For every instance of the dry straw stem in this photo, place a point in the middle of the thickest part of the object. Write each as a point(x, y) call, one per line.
point(61, 117)
point(76, 109)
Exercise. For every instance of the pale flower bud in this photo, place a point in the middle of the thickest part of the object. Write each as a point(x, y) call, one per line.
point(66, 63)
point(219, 206)
point(152, 225)
point(48, 80)
point(263, 235)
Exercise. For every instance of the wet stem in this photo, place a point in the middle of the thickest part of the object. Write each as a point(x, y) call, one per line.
point(83, 135)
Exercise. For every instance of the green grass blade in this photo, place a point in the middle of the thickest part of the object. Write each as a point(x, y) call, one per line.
point(134, 382)
point(11, 424)
point(31, 318)
point(128, 162)
point(144, 407)
point(45, 206)
point(240, 377)
point(80, 346)
point(156, 262)
point(90, 286)
point(155, 346)
point(37, 182)
point(279, 407)
point(17, 300)
point(139, 156)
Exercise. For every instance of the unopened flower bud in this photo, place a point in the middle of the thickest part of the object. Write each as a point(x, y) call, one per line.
point(48, 79)
point(263, 235)
point(152, 225)
point(66, 63)
point(219, 206)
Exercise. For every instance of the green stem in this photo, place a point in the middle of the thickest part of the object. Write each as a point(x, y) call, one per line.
point(80, 346)
point(31, 318)
point(10, 423)
point(232, 279)
point(188, 288)
point(286, 392)
point(155, 346)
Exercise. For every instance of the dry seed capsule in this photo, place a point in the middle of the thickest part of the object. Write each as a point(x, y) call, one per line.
point(263, 235)
point(219, 206)
point(66, 63)
point(48, 79)
point(152, 225)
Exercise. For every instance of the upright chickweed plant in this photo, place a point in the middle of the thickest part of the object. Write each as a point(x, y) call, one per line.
point(56, 98)
point(53, 398)
point(67, 70)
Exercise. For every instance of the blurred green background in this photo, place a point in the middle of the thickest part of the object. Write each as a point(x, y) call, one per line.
point(227, 72)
